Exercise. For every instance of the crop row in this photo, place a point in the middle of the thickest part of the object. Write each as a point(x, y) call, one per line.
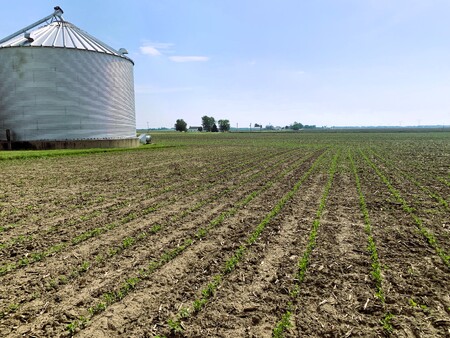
point(176, 324)
point(433, 194)
point(425, 161)
point(131, 215)
point(129, 241)
point(117, 294)
point(402, 242)
point(372, 248)
point(428, 235)
point(227, 254)
point(163, 185)
point(285, 321)
point(141, 174)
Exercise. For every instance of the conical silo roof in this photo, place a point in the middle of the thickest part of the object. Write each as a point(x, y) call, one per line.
point(60, 34)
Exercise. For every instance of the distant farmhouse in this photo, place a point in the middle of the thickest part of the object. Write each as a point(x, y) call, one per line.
point(195, 129)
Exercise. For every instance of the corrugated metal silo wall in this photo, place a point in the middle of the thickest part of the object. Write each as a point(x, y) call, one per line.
point(65, 94)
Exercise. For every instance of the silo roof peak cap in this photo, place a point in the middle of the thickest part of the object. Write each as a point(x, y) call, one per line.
point(58, 10)
point(58, 13)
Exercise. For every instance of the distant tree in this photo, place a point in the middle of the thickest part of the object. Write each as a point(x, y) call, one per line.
point(270, 127)
point(296, 126)
point(313, 126)
point(180, 125)
point(214, 128)
point(224, 125)
point(208, 122)
point(257, 125)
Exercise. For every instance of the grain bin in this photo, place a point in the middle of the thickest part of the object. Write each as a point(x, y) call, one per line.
point(61, 87)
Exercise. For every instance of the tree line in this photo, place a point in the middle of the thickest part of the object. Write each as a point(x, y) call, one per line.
point(293, 126)
point(208, 124)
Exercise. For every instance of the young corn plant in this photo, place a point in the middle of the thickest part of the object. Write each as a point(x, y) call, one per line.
point(37, 256)
point(113, 296)
point(386, 322)
point(376, 267)
point(303, 263)
point(429, 236)
point(442, 201)
point(232, 262)
point(284, 323)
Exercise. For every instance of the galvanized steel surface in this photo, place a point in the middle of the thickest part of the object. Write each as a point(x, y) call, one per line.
point(61, 34)
point(63, 93)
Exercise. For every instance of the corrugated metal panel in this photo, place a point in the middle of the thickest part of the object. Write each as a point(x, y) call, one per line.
point(65, 94)
point(61, 34)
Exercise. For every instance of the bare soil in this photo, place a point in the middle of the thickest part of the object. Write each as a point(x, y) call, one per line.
point(73, 229)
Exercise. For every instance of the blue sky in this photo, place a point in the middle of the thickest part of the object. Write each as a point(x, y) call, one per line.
point(323, 62)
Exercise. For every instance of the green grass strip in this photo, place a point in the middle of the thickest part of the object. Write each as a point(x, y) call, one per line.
point(285, 321)
point(423, 229)
point(376, 268)
point(28, 154)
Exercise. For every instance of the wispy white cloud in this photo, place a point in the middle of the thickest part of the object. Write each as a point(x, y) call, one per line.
point(189, 58)
point(159, 49)
point(151, 89)
point(155, 48)
point(149, 50)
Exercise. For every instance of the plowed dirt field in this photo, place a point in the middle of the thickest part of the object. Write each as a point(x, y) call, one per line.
point(230, 235)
